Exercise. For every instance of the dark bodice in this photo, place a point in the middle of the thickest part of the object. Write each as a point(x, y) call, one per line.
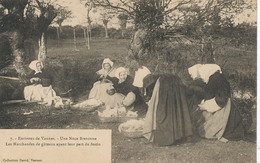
point(217, 87)
point(44, 76)
point(124, 87)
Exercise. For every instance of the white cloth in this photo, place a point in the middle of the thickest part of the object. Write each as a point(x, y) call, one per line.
point(99, 91)
point(193, 71)
point(140, 74)
point(209, 105)
point(88, 102)
point(119, 70)
point(206, 70)
point(203, 71)
point(40, 94)
point(33, 64)
point(150, 118)
point(129, 99)
point(115, 100)
point(215, 123)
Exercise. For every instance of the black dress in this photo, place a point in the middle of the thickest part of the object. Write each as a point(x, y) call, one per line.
point(219, 88)
point(45, 78)
point(172, 116)
point(127, 86)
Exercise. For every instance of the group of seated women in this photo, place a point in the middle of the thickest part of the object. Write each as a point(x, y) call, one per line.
point(172, 110)
point(115, 89)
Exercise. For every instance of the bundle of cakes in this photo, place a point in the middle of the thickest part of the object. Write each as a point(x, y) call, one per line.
point(108, 115)
point(132, 128)
point(128, 116)
point(117, 114)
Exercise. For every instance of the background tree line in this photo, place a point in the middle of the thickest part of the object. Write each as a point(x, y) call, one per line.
point(157, 24)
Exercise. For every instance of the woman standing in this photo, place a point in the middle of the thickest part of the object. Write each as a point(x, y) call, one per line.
point(167, 119)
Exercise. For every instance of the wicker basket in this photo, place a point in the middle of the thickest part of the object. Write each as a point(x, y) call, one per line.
point(107, 119)
point(124, 119)
point(137, 134)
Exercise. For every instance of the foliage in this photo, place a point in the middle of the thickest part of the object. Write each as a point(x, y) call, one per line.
point(5, 52)
point(63, 13)
point(122, 21)
point(14, 19)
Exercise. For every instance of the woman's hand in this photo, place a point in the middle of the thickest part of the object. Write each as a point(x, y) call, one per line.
point(33, 80)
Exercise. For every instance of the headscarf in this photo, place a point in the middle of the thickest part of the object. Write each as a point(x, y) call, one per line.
point(140, 74)
point(206, 70)
point(194, 71)
point(107, 60)
point(119, 70)
point(102, 71)
point(33, 64)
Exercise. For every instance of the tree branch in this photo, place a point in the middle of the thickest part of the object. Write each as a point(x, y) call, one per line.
point(177, 6)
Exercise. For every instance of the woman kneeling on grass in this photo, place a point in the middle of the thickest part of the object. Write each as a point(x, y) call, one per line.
point(167, 120)
point(211, 107)
point(40, 89)
point(123, 93)
point(98, 91)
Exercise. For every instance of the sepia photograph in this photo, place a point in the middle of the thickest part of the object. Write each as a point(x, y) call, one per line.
point(128, 81)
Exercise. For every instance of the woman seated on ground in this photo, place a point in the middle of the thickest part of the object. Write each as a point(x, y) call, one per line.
point(40, 88)
point(212, 111)
point(167, 120)
point(98, 91)
point(123, 93)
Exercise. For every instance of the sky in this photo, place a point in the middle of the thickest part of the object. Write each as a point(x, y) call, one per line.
point(79, 14)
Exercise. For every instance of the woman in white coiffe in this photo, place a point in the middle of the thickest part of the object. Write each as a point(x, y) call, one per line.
point(98, 91)
point(215, 116)
point(40, 88)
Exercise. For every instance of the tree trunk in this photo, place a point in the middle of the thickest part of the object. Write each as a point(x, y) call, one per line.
point(16, 43)
point(88, 38)
point(138, 44)
point(138, 52)
point(75, 40)
point(42, 48)
point(90, 32)
point(85, 37)
point(123, 33)
point(58, 36)
point(60, 27)
point(106, 31)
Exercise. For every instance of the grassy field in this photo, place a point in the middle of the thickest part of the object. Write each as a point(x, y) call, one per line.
point(74, 69)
